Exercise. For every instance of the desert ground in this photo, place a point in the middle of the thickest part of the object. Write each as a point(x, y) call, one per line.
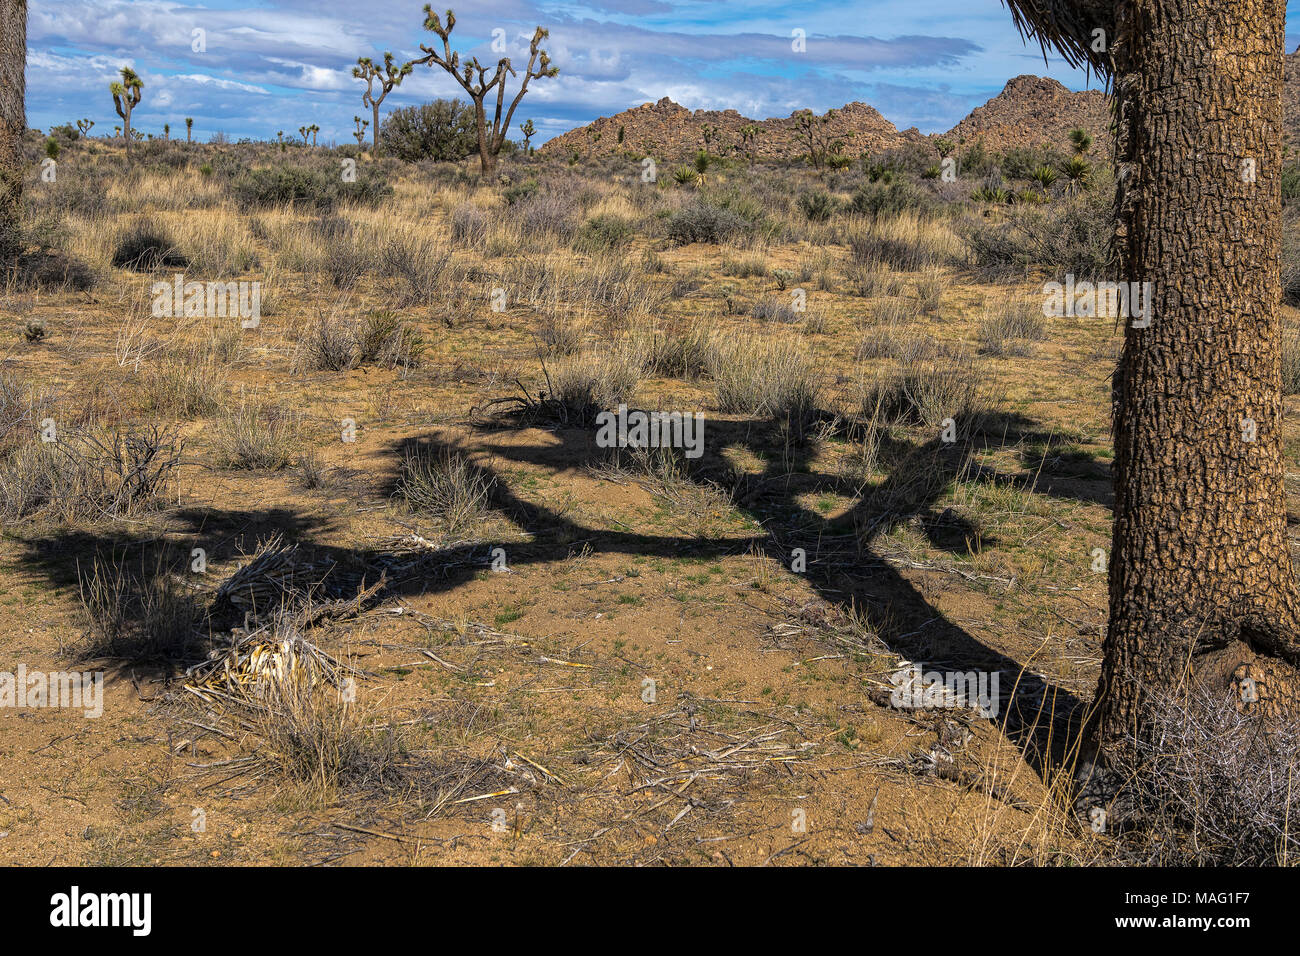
point(433, 621)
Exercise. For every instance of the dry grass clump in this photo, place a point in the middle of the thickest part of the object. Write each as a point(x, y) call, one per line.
point(445, 485)
point(319, 739)
point(925, 391)
point(380, 338)
point(602, 378)
point(754, 376)
point(908, 243)
point(22, 407)
point(775, 310)
point(1010, 328)
point(256, 436)
point(902, 345)
point(684, 353)
point(185, 384)
point(139, 614)
point(1211, 782)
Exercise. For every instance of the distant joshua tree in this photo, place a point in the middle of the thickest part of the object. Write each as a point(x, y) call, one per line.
point(84, 126)
point(1202, 585)
point(529, 131)
point(389, 76)
point(167, 131)
point(748, 140)
point(126, 97)
point(189, 129)
point(360, 132)
point(473, 79)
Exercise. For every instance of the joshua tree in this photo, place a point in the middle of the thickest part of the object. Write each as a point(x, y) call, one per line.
point(1201, 580)
point(189, 129)
point(13, 123)
point(748, 140)
point(304, 132)
point(816, 133)
point(360, 132)
point(473, 79)
point(117, 131)
point(313, 129)
point(389, 76)
point(126, 96)
point(167, 131)
point(84, 126)
point(529, 131)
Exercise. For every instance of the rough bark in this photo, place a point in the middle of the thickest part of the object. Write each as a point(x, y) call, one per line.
point(13, 123)
point(1200, 573)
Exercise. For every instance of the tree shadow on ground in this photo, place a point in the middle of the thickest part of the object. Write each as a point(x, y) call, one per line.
point(846, 564)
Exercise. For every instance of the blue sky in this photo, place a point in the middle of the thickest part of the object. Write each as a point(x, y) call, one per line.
point(279, 64)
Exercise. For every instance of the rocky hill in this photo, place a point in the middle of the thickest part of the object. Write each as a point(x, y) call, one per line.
point(669, 131)
point(1031, 110)
point(1035, 110)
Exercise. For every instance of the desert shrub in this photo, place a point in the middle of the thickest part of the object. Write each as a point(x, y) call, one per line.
point(256, 436)
point(144, 247)
point(319, 740)
point(681, 354)
point(330, 345)
point(774, 310)
point(904, 346)
point(560, 332)
point(930, 286)
point(307, 186)
point(703, 222)
point(603, 233)
point(817, 205)
point(382, 338)
point(889, 199)
point(870, 279)
point(22, 407)
point(443, 130)
point(91, 473)
point(1071, 236)
point(1023, 162)
point(907, 243)
point(420, 263)
point(444, 485)
point(925, 391)
point(618, 288)
point(550, 214)
point(184, 385)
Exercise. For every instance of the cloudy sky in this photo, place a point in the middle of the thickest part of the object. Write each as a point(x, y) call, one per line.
point(273, 65)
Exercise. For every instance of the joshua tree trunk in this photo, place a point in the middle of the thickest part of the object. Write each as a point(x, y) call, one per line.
point(376, 128)
point(13, 123)
point(487, 158)
point(1201, 572)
